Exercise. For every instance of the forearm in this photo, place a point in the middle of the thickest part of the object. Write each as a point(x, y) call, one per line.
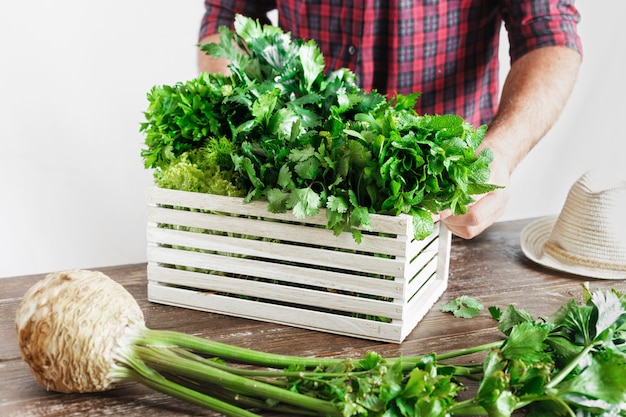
point(207, 63)
point(533, 96)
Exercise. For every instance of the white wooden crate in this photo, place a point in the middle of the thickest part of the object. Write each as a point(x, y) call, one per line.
point(217, 254)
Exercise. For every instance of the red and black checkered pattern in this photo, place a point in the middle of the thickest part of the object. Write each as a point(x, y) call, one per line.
point(447, 50)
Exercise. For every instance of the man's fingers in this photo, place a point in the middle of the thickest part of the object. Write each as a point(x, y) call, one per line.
point(479, 216)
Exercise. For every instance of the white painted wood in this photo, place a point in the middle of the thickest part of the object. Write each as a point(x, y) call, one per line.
point(286, 273)
point(307, 298)
point(279, 251)
point(218, 254)
point(395, 331)
point(314, 234)
point(234, 205)
point(420, 304)
point(314, 320)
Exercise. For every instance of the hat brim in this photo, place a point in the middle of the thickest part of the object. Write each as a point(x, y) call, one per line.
point(532, 240)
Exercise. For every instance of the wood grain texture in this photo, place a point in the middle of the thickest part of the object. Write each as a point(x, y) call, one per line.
point(490, 267)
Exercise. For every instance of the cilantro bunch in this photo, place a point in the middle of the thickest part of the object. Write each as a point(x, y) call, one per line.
point(279, 128)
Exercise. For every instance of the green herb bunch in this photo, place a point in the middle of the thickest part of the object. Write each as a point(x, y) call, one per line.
point(570, 364)
point(278, 128)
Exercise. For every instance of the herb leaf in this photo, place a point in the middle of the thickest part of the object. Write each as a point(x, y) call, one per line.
point(464, 307)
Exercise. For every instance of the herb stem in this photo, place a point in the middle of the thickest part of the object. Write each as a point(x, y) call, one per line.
point(526, 400)
point(467, 408)
point(571, 365)
point(164, 360)
point(144, 374)
point(165, 338)
point(468, 351)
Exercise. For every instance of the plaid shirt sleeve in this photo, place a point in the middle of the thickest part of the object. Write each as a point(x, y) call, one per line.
point(446, 50)
point(538, 23)
point(222, 13)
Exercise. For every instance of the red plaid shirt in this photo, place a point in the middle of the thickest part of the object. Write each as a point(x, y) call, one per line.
point(447, 50)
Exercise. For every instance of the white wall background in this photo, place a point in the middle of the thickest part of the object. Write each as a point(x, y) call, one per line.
point(73, 81)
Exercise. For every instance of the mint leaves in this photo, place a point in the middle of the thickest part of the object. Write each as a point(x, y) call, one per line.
point(304, 140)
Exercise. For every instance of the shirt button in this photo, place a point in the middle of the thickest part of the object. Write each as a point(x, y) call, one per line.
point(352, 49)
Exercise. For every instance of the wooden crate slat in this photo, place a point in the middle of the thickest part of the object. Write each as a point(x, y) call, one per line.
point(415, 246)
point(395, 331)
point(421, 303)
point(280, 272)
point(421, 260)
point(275, 230)
point(443, 257)
point(305, 255)
point(306, 298)
point(425, 274)
point(313, 320)
point(160, 196)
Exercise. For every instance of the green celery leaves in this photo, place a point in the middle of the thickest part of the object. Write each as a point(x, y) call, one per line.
point(286, 132)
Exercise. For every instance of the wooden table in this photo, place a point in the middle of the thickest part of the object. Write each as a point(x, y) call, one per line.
point(491, 268)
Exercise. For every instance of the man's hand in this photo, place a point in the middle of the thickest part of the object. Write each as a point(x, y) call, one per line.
point(485, 211)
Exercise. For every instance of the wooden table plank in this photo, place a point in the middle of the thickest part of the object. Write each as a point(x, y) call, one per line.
point(490, 268)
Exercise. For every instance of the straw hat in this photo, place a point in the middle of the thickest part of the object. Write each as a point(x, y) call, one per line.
point(588, 237)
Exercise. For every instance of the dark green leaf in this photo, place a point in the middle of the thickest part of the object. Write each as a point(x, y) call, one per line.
point(277, 200)
point(278, 109)
point(604, 379)
point(512, 317)
point(423, 223)
point(527, 342)
point(493, 392)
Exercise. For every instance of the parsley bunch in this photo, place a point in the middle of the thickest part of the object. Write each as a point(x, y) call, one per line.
point(279, 128)
point(572, 363)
